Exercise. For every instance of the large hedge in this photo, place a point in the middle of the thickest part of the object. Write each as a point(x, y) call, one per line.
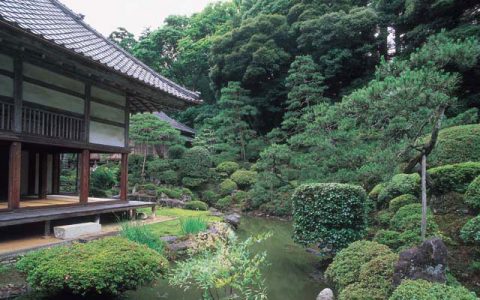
point(470, 232)
point(329, 214)
point(425, 290)
point(400, 184)
point(409, 217)
point(453, 178)
point(347, 264)
point(109, 267)
point(195, 166)
point(472, 196)
point(456, 144)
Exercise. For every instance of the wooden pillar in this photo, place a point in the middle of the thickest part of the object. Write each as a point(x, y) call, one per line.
point(47, 232)
point(56, 174)
point(84, 176)
point(14, 171)
point(124, 177)
point(42, 176)
point(32, 172)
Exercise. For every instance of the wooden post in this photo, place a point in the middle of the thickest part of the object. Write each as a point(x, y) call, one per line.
point(56, 174)
point(154, 212)
point(84, 176)
point(42, 176)
point(14, 171)
point(97, 219)
point(124, 177)
point(32, 172)
point(47, 229)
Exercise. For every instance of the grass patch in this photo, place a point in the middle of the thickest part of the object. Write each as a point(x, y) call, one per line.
point(193, 225)
point(143, 235)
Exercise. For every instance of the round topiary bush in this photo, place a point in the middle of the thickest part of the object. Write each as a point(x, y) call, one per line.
point(453, 178)
point(108, 266)
point(227, 167)
point(373, 195)
point(227, 187)
point(398, 240)
point(456, 144)
point(330, 214)
point(176, 152)
point(243, 178)
point(400, 201)
point(210, 197)
point(470, 232)
point(196, 205)
point(224, 203)
point(472, 196)
point(425, 290)
point(195, 166)
point(409, 217)
point(383, 217)
point(400, 184)
point(346, 266)
point(374, 281)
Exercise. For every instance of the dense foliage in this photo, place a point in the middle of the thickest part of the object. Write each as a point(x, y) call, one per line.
point(424, 290)
point(108, 267)
point(470, 232)
point(456, 177)
point(328, 214)
point(472, 195)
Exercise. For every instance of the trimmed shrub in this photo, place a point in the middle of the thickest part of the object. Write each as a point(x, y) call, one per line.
point(241, 197)
point(243, 178)
point(453, 178)
point(409, 217)
point(108, 266)
point(196, 205)
point(383, 217)
point(470, 232)
point(224, 203)
point(102, 180)
point(400, 184)
point(375, 280)
point(456, 144)
point(227, 187)
point(176, 152)
point(425, 290)
point(398, 240)
point(192, 182)
point(400, 201)
point(195, 166)
point(210, 197)
point(227, 167)
point(171, 193)
point(373, 195)
point(168, 177)
point(331, 214)
point(472, 196)
point(346, 266)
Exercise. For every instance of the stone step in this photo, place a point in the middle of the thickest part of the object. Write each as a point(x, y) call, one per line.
point(76, 230)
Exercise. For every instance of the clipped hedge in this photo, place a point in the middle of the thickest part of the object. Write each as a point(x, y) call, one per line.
point(210, 197)
point(398, 241)
point(456, 144)
point(227, 187)
point(383, 217)
point(244, 178)
point(196, 205)
point(400, 184)
point(470, 232)
point(330, 214)
point(425, 290)
point(400, 201)
point(347, 264)
point(374, 281)
point(373, 195)
point(227, 167)
point(224, 203)
point(108, 266)
point(453, 178)
point(409, 217)
point(472, 196)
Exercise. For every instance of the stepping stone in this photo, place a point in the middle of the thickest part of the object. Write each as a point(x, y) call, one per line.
point(68, 232)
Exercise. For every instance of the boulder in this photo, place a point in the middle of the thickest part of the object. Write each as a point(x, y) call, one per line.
point(428, 262)
point(178, 246)
point(326, 294)
point(142, 216)
point(169, 239)
point(233, 219)
point(171, 203)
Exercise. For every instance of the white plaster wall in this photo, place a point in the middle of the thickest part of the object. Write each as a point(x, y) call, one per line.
point(105, 134)
point(53, 78)
point(106, 112)
point(41, 95)
point(102, 94)
point(6, 86)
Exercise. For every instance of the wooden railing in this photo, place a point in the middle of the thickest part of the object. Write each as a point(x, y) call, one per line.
point(52, 125)
point(6, 115)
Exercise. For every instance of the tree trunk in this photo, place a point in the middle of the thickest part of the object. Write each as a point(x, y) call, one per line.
point(144, 162)
point(424, 197)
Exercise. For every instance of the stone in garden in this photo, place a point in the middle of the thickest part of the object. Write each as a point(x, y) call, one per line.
point(77, 230)
point(179, 246)
point(169, 239)
point(326, 294)
point(171, 203)
point(428, 262)
point(233, 219)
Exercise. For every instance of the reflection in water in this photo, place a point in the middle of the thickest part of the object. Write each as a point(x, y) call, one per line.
point(288, 276)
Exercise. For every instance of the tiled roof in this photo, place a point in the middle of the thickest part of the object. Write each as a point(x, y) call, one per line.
point(53, 21)
point(175, 124)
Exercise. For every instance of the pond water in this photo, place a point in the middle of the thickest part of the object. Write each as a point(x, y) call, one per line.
point(290, 274)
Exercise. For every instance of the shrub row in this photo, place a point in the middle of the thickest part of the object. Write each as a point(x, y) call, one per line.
point(425, 290)
point(453, 178)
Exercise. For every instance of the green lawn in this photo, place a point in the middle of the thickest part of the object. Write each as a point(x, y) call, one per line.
point(173, 227)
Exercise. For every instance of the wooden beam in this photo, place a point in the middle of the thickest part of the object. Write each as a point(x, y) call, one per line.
point(56, 174)
point(124, 177)
point(32, 172)
point(42, 176)
point(14, 171)
point(84, 176)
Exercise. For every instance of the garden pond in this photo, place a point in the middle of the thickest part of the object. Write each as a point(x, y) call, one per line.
point(291, 273)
